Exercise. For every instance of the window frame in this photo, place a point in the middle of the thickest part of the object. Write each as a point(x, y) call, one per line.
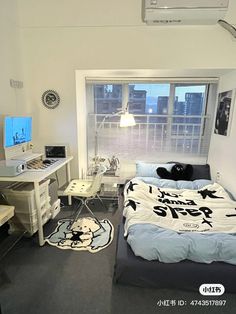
point(84, 76)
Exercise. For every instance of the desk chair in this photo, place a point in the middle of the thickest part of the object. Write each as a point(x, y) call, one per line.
point(85, 190)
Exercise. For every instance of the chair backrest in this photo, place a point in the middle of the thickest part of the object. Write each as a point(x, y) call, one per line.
point(96, 185)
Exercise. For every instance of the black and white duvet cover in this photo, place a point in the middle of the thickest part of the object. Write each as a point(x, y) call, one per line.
point(171, 225)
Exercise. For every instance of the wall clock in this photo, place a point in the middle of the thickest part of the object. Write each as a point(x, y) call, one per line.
point(50, 99)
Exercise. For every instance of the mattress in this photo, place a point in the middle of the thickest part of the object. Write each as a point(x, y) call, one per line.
point(185, 275)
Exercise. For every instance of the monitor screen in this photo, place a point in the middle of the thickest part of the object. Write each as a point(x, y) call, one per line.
point(17, 130)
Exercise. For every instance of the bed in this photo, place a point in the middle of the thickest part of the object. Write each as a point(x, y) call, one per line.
point(175, 270)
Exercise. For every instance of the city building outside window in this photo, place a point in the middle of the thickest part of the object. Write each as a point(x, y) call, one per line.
point(171, 119)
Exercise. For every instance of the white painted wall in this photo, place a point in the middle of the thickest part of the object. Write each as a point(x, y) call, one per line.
point(223, 148)
point(11, 100)
point(61, 36)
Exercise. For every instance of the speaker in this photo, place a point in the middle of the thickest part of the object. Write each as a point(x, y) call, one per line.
point(55, 151)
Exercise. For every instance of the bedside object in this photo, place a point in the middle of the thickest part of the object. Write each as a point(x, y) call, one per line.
point(109, 190)
point(50, 99)
point(113, 165)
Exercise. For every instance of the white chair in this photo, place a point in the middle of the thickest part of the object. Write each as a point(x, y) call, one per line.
point(85, 190)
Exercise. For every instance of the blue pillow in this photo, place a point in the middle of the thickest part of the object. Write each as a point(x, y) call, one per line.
point(144, 169)
point(171, 184)
point(160, 183)
point(192, 185)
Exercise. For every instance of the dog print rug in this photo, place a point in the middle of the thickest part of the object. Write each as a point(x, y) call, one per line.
point(83, 234)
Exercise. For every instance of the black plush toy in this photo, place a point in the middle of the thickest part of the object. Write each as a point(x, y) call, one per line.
point(178, 172)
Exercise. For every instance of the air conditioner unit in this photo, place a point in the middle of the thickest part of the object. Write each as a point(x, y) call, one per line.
point(185, 12)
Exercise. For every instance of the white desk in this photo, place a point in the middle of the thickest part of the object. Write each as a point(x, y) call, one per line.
point(36, 177)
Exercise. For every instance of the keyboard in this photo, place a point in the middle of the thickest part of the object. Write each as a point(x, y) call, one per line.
point(40, 165)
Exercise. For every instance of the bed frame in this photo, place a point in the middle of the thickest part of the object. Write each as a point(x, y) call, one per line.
point(186, 275)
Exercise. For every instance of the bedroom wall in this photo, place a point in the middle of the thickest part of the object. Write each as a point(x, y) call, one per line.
point(11, 100)
point(59, 37)
point(223, 148)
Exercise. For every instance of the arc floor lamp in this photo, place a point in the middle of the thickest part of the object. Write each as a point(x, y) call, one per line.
point(126, 120)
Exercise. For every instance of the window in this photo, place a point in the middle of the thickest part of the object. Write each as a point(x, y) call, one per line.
point(107, 98)
point(172, 119)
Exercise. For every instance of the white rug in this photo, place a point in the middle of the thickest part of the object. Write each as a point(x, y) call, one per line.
point(84, 234)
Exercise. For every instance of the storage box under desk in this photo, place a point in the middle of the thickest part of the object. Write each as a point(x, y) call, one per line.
point(27, 222)
point(23, 197)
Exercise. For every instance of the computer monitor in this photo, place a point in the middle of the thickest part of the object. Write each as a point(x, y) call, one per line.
point(17, 130)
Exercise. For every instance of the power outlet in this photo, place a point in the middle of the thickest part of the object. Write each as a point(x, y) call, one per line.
point(218, 175)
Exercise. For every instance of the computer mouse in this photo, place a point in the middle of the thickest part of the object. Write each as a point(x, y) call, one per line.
point(47, 161)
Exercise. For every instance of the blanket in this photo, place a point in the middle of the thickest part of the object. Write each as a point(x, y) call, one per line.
point(207, 210)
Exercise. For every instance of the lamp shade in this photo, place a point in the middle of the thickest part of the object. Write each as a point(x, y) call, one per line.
point(127, 119)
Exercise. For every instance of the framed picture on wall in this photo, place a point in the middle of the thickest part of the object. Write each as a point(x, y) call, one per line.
point(223, 113)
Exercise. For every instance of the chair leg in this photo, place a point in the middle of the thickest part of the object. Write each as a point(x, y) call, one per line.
point(85, 203)
point(78, 212)
point(103, 204)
